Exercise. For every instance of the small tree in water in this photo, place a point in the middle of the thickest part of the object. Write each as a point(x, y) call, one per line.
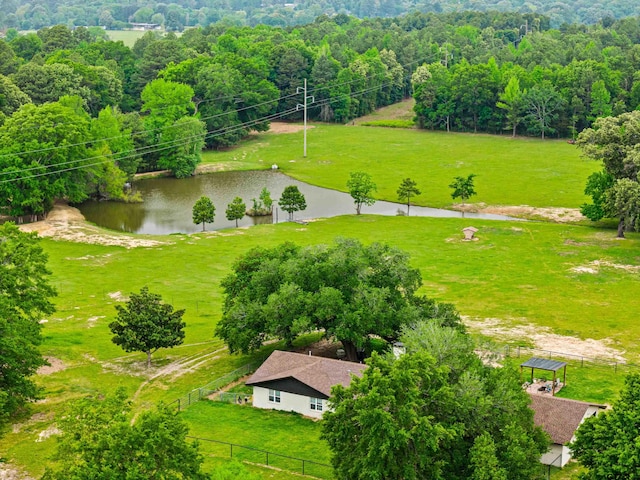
point(406, 189)
point(292, 200)
point(203, 211)
point(236, 210)
point(463, 188)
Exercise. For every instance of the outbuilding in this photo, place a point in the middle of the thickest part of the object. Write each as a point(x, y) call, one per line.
point(560, 418)
point(300, 383)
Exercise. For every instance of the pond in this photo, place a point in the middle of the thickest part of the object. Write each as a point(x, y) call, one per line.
point(168, 202)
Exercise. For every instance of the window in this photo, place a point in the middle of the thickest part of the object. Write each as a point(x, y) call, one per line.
point(316, 404)
point(274, 396)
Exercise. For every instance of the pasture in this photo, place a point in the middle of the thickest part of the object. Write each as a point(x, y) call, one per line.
point(539, 284)
point(520, 171)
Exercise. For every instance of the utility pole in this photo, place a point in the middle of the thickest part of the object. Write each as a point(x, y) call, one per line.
point(447, 56)
point(303, 90)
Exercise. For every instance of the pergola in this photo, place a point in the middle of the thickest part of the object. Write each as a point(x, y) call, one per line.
point(549, 366)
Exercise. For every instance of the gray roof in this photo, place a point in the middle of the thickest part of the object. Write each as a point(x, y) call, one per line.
point(543, 364)
point(318, 373)
point(559, 417)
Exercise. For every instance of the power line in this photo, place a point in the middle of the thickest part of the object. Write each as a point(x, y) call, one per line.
point(184, 140)
point(316, 89)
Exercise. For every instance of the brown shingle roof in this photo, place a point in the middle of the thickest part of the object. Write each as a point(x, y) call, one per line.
point(559, 417)
point(318, 373)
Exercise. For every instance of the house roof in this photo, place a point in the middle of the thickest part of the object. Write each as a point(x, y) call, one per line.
point(559, 417)
point(543, 364)
point(318, 373)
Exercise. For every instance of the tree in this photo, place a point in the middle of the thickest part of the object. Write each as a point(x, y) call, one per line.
point(607, 445)
point(435, 412)
point(146, 324)
point(203, 211)
point(99, 441)
point(511, 101)
point(292, 200)
point(361, 188)
point(236, 210)
point(48, 82)
point(542, 102)
point(613, 141)
point(463, 188)
point(25, 297)
point(11, 97)
point(406, 189)
point(623, 198)
point(182, 145)
point(265, 198)
point(346, 290)
point(36, 170)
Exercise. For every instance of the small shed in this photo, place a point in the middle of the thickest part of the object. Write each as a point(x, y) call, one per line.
point(549, 366)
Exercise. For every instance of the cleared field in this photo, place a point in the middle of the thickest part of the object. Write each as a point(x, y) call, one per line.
point(128, 37)
point(521, 171)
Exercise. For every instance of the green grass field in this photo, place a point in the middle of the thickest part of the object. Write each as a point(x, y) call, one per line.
point(128, 37)
point(571, 280)
point(521, 171)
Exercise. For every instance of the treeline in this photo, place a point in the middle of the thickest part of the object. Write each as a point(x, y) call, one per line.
point(117, 111)
point(180, 14)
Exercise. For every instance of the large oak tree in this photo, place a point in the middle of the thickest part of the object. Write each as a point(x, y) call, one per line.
point(347, 290)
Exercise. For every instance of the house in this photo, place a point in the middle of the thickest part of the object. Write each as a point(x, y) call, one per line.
point(300, 383)
point(560, 418)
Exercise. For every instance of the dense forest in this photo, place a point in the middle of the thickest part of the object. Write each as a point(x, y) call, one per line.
point(80, 115)
point(179, 14)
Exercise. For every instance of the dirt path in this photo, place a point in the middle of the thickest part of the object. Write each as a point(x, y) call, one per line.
point(180, 367)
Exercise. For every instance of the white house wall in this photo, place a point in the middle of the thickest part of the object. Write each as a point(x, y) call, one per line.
point(558, 456)
point(289, 402)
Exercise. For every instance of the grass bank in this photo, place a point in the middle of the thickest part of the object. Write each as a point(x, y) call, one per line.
point(521, 171)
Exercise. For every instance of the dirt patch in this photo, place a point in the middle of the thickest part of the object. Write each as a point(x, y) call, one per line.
point(117, 296)
point(91, 321)
point(49, 432)
point(283, 127)
point(595, 266)
point(67, 223)
point(9, 472)
point(55, 365)
point(544, 339)
point(559, 215)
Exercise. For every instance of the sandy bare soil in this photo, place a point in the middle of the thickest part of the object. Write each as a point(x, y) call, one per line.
point(67, 223)
point(55, 365)
point(595, 266)
point(556, 214)
point(283, 127)
point(8, 472)
point(544, 339)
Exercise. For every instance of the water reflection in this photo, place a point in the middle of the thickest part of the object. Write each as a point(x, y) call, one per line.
point(168, 203)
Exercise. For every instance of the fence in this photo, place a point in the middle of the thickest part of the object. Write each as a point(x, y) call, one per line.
point(199, 393)
point(263, 457)
point(518, 351)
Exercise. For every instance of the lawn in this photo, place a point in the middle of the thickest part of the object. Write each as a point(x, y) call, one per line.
point(521, 171)
point(282, 434)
